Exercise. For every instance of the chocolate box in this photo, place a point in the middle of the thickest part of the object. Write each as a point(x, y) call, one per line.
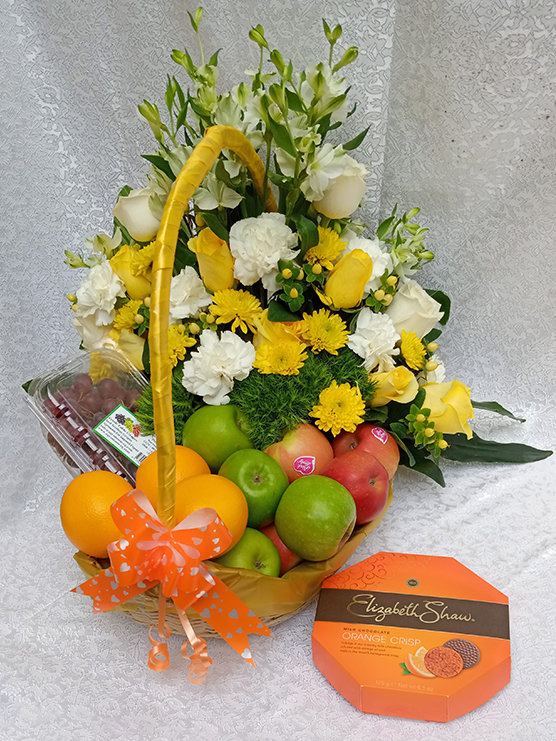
point(412, 636)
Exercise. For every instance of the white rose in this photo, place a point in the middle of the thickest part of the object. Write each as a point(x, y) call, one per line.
point(135, 213)
point(413, 310)
point(381, 259)
point(93, 335)
point(257, 244)
point(219, 361)
point(343, 193)
point(97, 295)
point(187, 295)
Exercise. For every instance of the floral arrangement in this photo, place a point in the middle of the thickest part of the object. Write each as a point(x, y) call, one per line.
point(302, 315)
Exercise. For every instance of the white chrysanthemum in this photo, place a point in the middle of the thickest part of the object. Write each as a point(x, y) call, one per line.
point(381, 259)
point(257, 244)
point(219, 361)
point(324, 165)
point(187, 295)
point(97, 295)
point(374, 340)
point(213, 193)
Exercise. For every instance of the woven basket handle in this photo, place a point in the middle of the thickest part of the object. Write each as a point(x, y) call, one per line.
point(190, 178)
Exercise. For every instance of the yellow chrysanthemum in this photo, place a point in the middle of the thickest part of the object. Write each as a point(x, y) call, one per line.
point(284, 357)
point(125, 316)
point(142, 259)
point(324, 331)
point(328, 249)
point(340, 408)
point(413, 350)
point(239, 307)
point(178, 342)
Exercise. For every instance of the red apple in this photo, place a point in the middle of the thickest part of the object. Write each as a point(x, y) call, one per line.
point(302, 452)
point(287, 557)
point(373, 440)
point(365, 478)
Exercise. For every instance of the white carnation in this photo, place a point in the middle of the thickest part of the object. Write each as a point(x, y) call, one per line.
point(381, 260)
point(97, 295)
point(187, 295)
point(257, 244)
point(212, 369)
point(374, 340)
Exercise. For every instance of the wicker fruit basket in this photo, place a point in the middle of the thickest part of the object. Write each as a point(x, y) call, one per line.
point(272, 599)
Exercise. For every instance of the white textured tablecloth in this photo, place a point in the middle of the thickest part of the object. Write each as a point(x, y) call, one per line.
point(461, 95)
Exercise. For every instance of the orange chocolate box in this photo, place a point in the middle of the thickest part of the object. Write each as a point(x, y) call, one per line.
point(412, 636)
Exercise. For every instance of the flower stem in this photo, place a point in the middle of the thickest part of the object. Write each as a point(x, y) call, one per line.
point(266, 168)
point(201, 48)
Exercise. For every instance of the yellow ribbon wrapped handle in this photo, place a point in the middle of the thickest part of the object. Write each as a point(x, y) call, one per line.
point(190, 178)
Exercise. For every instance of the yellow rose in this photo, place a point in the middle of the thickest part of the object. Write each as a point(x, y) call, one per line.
point(397, 385)
point(137, 286)
point(450, 405)
point(216, 263)
point(267, 331)
point(132, 347)
point(347, 280)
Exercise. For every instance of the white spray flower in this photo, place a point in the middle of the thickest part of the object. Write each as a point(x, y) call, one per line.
point(187, 295)
point(374, 340)
point(97, 295)
point(214, 193)
point(213, 368)
point(257, 244)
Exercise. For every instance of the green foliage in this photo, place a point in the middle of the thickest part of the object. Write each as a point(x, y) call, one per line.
point(276, 404)
point(184, 404)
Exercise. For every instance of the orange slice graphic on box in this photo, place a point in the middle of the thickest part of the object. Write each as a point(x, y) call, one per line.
point(416, 663)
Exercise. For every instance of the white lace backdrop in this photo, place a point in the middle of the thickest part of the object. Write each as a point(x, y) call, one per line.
point(460, 97)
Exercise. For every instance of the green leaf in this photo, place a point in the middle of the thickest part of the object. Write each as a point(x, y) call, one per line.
point(384, 227)
point(420, 398)
point(494, 406)
point(293, 101)
point(125, 191)
point(215, 225)
point(146, 358)
point(410, 457)
point(182, 115)
point(356, 141)
point(160, 163)
point(405, 669)
point(184, 257)
point(25, 386)
point(376, 414)
point(213, 61)
point(282, 137)
point(277, 312)
point(127, 239)
point(444, 302)
point(433, 335)
point(478, 450)
point(308, 233)
point(430, 469)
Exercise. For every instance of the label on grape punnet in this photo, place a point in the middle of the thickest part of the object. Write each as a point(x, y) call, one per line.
point(122, 430)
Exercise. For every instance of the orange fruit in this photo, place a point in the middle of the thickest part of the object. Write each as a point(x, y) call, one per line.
point(188, 463)
point(211, 490)
point(85, 511)
point(416, 663)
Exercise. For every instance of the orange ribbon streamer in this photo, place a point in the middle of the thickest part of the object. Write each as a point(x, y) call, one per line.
point(148, 554)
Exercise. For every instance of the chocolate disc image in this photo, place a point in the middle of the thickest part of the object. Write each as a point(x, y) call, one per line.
point(467, 650)
point(443, 662)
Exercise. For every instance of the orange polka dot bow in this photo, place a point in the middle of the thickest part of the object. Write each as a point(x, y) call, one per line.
point(150, 554)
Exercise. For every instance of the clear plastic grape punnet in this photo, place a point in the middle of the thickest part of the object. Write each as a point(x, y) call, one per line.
point(75, 397)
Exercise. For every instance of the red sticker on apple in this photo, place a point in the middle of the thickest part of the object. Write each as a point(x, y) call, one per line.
point(380, 434)
point(305, 464)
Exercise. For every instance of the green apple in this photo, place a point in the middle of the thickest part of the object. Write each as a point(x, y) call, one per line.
point(262, 481)
point(254, 551)
point(315, 517)
point(216, 432)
